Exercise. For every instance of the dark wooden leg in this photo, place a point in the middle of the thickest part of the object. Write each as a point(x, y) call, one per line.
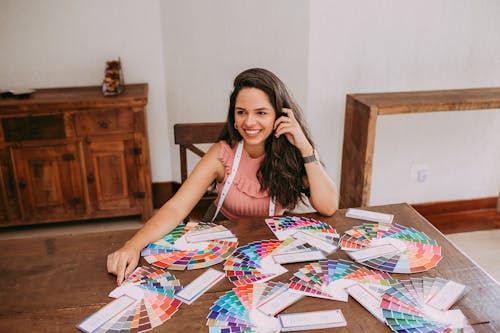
point(357, 154)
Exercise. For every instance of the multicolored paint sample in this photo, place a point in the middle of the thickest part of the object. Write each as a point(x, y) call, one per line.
point(391, 248)
point(421, 305)
point(179, 250)
point(328, 279)
point(236, 310)
point(152, 293)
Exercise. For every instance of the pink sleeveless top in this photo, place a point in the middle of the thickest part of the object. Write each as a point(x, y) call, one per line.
point(244, 199)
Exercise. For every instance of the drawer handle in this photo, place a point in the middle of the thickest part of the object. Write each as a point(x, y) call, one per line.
point(90, 178)
point(103, 123)
point(22, 184)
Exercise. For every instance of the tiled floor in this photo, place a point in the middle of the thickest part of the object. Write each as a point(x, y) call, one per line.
point(481, 246)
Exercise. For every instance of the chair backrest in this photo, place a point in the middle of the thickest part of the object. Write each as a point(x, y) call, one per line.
point(189, 134)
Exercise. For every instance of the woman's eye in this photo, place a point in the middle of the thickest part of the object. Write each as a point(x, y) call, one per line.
point(240, 112)
point(262, 113)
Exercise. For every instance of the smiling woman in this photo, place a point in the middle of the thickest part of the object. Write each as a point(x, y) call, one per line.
point(264, 162)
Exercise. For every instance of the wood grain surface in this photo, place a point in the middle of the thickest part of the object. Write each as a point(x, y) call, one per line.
point(50, 284)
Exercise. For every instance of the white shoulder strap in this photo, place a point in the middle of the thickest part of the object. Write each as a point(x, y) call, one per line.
point(229, 182)
point(230, 178)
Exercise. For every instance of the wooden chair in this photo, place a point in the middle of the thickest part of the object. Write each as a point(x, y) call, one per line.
point(187, 135)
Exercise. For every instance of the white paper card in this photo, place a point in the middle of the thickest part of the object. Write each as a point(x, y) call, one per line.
point(128, 289)
point(311, 320)
point(366, 299)
point(373, 252)
point(448, 295)
point(324, 295)
point(270, 267)
point(106, 313)
point(369, 216)
point(397, 243)
point(298, 256)
point(315, 241)
point(264, 323)
point(198, 286)
point(202, 237)
point(278, 302)
point(183, 244)
point(337, 289)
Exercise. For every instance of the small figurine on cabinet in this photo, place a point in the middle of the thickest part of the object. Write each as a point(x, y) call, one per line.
point(113, 83)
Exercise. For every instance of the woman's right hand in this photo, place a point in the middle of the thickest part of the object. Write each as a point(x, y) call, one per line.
point(122, 262)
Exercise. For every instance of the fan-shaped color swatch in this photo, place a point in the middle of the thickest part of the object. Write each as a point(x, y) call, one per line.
point(285, 226)
point(392, 248)
point(150, 293)
point(253, 262)
point(238, 309)
point(191, 246)
point(421, 305)
point(328, 278)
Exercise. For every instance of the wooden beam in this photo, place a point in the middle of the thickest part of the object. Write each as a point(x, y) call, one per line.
point(357, 154)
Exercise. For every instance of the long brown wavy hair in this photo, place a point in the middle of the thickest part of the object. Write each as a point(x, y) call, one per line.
point(282, 170)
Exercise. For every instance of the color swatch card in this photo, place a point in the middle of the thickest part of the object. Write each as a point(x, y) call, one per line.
point(329, 278)
point(367, 215)
point(421, 305)
point(311, 320)
point(250, 308)
point(296, 250)
point(191, 246)
point(285, 226)
point(144, 300)
point(253, 263)
point(199, 286)
point(391, 247)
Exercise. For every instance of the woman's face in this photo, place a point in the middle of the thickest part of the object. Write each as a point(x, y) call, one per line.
point(254, 116)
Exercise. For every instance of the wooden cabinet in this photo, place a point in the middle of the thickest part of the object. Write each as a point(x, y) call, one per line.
point(72, 154)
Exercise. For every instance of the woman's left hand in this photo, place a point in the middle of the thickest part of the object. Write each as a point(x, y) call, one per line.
point(289, 126)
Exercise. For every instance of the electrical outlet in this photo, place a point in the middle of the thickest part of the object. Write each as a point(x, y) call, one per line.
point(419, 172)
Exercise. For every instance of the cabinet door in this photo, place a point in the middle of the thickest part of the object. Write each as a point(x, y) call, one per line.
point(9, 209)
point(49, 179)
point(112, 175)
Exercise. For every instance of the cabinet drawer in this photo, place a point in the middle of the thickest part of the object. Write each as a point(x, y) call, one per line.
point(33, 128)
point(104, 121)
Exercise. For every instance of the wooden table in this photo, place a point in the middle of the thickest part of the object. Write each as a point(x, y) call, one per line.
point(49, 284)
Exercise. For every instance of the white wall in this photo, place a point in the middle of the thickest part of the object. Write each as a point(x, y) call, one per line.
point(54, 43)
point(189, 52)
point(393, 45)
point(207, 43)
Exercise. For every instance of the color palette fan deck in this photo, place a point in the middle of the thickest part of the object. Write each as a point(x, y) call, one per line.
point(285, 226)
point(421, 305)
point(253, 262)
point(328, 279)
point(145, 300)
point(238, 309)
point(191, 246)
point(391, 247)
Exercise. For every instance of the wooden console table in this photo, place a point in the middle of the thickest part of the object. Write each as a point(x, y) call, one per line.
point(361, 115)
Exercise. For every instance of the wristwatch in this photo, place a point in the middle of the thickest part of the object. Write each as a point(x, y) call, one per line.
point(312, 158)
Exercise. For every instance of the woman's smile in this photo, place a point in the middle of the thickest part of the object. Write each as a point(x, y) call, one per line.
point(254, 117)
